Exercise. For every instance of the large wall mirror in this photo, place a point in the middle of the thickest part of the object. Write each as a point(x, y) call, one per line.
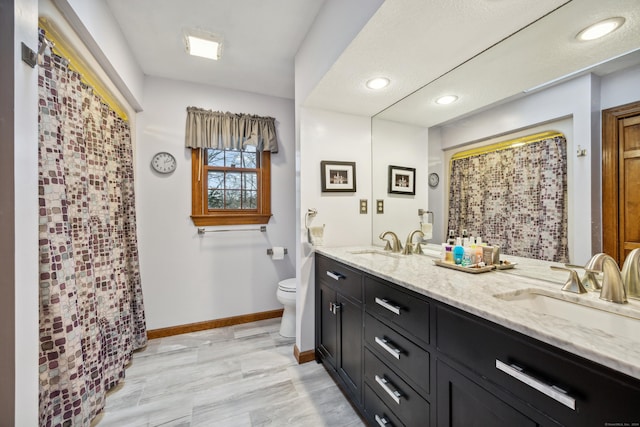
point(541, 78)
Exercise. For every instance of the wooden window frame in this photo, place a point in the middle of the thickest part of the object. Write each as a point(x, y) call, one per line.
point(200, 213)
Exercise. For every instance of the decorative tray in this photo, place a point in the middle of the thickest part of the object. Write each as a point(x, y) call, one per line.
point(472, 270)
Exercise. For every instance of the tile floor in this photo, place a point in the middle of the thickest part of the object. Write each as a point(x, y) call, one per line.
point(243, 375)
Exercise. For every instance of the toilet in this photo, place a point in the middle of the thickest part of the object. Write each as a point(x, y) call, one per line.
point(287, 296)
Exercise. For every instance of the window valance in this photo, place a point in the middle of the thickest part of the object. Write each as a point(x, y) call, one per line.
point(215, 129)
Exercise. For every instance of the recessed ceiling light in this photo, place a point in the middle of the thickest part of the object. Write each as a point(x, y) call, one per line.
point(203, 44)
point(378, 83)
point(447, 99)
point(600, 29)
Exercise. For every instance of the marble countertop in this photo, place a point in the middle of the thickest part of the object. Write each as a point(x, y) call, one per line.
point(474, 293)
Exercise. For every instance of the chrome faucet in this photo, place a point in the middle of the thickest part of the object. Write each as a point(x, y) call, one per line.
point(631, 274)
point(397, 246)
point(408, 246)
point(613, 288)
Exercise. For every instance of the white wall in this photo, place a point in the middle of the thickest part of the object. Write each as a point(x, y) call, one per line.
point(26, 217)
point(330, 136)
point(335, 26)
point(404, 145)
point(93, 21)
point(187, 278)
point(620, 88)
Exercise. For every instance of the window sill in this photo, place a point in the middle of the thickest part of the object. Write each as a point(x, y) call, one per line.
point(230, 219)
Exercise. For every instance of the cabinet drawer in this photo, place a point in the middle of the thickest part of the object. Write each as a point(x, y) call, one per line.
point(377, 411)
point(597, 393)
point(399, 353)
point(345, 280)
point(405, 311)
point(396, 394)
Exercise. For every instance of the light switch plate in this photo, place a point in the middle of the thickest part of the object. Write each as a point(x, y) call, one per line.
point(380, 206)
point(363, 206)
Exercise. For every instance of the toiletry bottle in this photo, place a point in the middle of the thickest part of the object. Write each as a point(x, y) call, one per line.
point(478, 254)
point(448, 253)
point(458, 253)
point(466, 258)
point(451, 240)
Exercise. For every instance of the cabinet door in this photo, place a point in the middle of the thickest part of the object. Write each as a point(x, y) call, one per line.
point(463, 403)
point(350, 347)
point(328, 321)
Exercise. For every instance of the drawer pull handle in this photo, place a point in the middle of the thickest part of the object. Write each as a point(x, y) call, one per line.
point(335, 276)
point(382, 422)
point(394, 394)
point(552, 391)
point(385, 303)
point(395, 352)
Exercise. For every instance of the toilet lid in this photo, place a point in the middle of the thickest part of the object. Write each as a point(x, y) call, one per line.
point(287, 285)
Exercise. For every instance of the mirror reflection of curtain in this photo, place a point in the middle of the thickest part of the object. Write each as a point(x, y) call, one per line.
point(91, 308)
point(515, 198)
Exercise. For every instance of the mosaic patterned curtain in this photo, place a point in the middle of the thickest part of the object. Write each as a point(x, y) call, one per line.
point(515, 198)
point(91, 308)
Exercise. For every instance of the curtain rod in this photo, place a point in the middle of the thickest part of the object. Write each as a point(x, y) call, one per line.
point(505, 145)
point(77, 64)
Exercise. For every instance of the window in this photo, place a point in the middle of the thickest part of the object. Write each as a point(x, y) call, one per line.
point(230, 186)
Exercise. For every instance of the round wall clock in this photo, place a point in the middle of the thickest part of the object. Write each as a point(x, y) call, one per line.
point(164, 162)
point(434, 179)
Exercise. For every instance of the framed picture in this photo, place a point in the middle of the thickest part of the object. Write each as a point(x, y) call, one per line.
point(402, 180)
point(338, 176)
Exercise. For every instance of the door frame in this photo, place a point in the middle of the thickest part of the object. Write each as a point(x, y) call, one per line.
point(610, 175)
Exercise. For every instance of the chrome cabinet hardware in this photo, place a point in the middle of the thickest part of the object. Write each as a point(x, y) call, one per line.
point(382, 422)
point(385, 303)
point(554, 392)
point(334, 308)
point(395, 352)
point(394, 394)
point(335, 276)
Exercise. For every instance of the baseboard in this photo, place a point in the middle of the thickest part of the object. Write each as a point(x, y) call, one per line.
point(305, 356)
point(212, 324)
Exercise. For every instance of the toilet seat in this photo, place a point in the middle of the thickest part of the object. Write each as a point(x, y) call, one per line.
point(288, 285)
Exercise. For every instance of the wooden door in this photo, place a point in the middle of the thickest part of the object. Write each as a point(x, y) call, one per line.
point(621, 180)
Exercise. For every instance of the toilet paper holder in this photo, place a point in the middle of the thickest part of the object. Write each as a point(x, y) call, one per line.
point(270, 251)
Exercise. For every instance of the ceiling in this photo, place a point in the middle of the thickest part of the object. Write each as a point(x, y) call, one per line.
point(261, 38)
point(485, 50)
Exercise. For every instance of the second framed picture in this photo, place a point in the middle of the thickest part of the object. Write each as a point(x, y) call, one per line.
point(338, 176)
point(402, 180)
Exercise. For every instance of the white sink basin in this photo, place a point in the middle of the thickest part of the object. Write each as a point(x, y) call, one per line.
point(622, 320)
point(374, 253)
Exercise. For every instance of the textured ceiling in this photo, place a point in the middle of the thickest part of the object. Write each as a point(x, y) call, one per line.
point(260, 40)
point(484, 52)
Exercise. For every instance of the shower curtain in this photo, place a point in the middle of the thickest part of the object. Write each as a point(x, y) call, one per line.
point(91, 308)
point(515, 198)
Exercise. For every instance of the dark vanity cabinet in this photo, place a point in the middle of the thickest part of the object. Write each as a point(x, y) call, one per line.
point(339, 323)
point(407, 360)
